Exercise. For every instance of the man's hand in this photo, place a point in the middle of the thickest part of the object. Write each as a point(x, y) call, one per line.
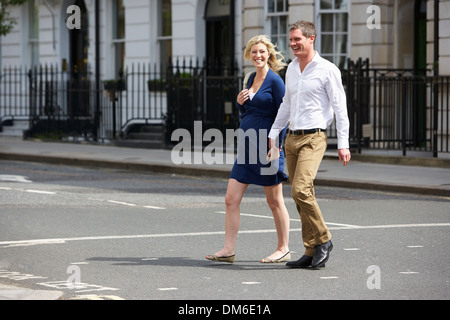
point(344, 156)
point(274, 152)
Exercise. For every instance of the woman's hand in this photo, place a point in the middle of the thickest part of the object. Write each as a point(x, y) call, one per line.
point(242, 96)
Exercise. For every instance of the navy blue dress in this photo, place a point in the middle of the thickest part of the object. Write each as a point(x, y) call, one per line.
point(257, 116)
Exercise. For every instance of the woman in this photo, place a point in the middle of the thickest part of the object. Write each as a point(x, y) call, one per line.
point(258, 105)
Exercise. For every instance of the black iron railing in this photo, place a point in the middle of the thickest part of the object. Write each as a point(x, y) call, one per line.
point(397, 109)
point(389, 109)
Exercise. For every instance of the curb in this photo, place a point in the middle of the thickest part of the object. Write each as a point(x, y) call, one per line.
point(405, 161)
point(221, 173)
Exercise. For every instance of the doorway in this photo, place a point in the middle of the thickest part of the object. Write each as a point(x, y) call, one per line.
point(420, 65)
point(78, 83)
point(219, 19)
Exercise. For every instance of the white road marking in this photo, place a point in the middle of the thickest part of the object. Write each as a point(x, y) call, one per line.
point(96, 297)
point(76, 286)
point(28, 190)
point(13, 178)
point(408, 272)
point(35, 243)
point(414, 225)
point(17, 276)
point(127, 204)
point(326, 278)
point(270, 217)
point(153, 207)
point(167, 289)
point(206, 233)
point(122, 203)
point(251, 282)
point(40, 192)
point(414, 246)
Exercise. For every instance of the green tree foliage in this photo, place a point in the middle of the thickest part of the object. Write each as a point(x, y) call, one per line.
point(6, 22)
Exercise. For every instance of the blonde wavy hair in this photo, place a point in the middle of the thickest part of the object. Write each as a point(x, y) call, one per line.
point(275, 61)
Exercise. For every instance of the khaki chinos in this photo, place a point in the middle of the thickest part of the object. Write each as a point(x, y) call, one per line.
point(304, 153)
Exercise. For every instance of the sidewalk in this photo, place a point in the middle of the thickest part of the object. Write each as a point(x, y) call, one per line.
point(374, 172)
point(426, 176)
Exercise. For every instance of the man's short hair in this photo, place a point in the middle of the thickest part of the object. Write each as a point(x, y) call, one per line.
point(308, 28)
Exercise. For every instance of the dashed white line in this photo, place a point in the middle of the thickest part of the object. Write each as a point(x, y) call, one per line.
point(40, 192)
point(153, 207)
point(122, 203)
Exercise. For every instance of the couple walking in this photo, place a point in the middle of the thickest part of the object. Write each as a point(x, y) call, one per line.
point(313, 94)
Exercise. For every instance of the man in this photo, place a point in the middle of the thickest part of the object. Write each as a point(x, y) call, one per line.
point(314, 94)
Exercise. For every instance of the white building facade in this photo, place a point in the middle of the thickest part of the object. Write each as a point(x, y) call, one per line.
point(391, 33)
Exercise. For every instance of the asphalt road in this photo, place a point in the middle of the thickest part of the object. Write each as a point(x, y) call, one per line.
point(111, 234)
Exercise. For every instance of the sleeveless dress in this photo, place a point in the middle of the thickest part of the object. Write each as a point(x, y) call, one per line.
point(257, 116)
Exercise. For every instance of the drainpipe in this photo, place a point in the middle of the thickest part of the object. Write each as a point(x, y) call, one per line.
point(97, 70)
point(436, 74)
point(436, 37)
point(53, 23)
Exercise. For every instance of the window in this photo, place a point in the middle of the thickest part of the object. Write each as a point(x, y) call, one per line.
point(33, 32)
point(165, 31)
point(277, 13)
point(119, 35)
point(333, 31)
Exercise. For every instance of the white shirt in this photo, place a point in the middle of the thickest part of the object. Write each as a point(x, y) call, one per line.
point(312, 99)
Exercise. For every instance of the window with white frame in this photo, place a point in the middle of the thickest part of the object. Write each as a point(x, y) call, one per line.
point(277, 14)
point(165, 31)
point(33, 32)
point(119, 35)
point(333, 30)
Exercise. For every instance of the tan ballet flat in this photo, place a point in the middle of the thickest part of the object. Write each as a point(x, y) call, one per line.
point(284, 258)
point(229, 259)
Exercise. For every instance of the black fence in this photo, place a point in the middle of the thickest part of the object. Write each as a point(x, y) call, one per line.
point(51, 102)
point(397, 109)
point(389, 109)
